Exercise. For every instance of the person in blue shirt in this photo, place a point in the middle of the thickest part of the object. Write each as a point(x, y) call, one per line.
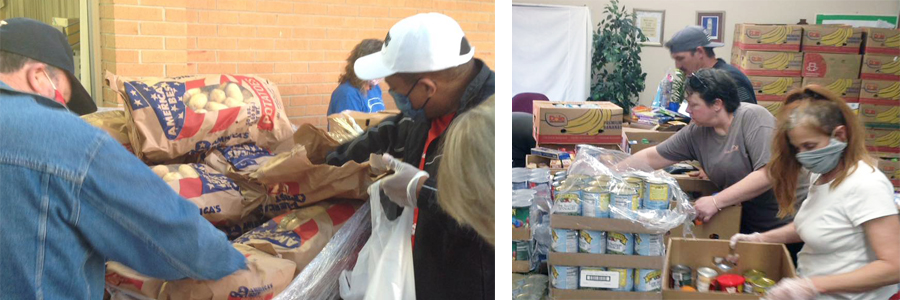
point(71, 197)
point(356, 94)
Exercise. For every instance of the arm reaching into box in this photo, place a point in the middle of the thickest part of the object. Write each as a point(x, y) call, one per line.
point(751, 186)
point(647, 159)
point(786, 234)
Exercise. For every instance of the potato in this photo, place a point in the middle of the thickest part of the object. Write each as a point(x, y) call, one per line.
point(213, 106)
point(187, 171)
point(160, 170)
point(231, 102)
point(193, 91)
point(234, 91)
point(200, 111)
point(198, 101)
point(217, 96)
point(247, 94)
point(172, 176)
point(222, 86)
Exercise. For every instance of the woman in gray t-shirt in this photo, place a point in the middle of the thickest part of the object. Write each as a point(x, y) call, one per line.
point(731, 140)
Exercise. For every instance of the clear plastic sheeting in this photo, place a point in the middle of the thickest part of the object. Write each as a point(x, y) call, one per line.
point(319, 280)
point(600, 185)
point(530, 286)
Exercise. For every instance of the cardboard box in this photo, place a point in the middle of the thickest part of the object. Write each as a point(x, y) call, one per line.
point(761, 63)
point(601, 260)
point(521, 234)
point(521, 266)
point(652, 137)
point(846, 88)
point(831, 39)
point(878, 103)
point(882, 41)
point(569, 123)
point(830, 65)
point(891, 169)
point(880, 67)
point(773, 259)
point(773, 88)
point(722, 226)
point(364, 120)
point(767, 37)
point(702, 187)
point(883, 142)
point(772, 106)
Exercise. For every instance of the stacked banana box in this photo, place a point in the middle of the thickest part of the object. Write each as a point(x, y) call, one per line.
point(770, 57)
point(879, 98)
point(566, 124)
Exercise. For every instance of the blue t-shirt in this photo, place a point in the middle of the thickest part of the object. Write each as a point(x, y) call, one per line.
point(348, 97)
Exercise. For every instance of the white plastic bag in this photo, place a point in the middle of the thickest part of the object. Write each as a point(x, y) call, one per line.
point(384, 268)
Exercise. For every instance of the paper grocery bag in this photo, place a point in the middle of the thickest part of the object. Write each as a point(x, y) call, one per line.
point(266, 277)
point(186, 116)
point(124, 278)
point(316, 141)
point(113, 122)
point(293, 181)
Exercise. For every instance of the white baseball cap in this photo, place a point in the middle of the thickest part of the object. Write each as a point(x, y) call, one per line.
point(418, 44)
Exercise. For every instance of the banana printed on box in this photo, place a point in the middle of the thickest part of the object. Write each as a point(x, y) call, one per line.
point(882, 41)
point(301, 234)
point(831, 39)
point(765, 63)
point(767, 37)
point(880, 67)
point(883, 142)
point(880, 104)
point(773, 88)
point(174, 117)
point(848, 89)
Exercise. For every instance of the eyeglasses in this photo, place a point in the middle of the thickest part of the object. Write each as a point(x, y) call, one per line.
point(695, 78)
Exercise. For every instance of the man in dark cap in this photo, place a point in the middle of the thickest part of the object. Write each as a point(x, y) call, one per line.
point(692, 50)
point(71, 197)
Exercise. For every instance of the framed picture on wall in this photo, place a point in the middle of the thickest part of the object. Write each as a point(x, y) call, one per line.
point(714, 23)
point(651, 23)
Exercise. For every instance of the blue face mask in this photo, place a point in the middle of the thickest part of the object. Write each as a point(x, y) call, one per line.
point(405, 105)
point(824, 159)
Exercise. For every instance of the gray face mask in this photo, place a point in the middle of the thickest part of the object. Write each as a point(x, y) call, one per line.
point(824, 159)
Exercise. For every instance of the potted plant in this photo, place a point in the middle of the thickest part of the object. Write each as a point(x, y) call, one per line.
point(616, 62)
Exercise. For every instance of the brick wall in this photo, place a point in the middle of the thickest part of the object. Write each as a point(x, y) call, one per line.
point(300, 46)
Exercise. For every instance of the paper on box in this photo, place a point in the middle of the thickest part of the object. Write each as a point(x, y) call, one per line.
point(830, 65)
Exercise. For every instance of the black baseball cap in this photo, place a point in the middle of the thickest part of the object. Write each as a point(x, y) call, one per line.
point(41, 42)
point(690, 38)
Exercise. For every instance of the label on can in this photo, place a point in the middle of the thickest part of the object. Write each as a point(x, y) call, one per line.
point(681, 276)
point(619, 243)
point(564, 277)
point(649, 244)
point(568, 203)
point(598, 278)
point(521, 250)
point(638, 184)
point(595, 204)
point(564, 240)
point(648, 280)
point(658, 196)
point(591, 241)
point(626, 279)
point(629, 201)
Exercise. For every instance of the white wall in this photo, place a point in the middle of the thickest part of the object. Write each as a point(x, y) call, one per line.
point(681, 13)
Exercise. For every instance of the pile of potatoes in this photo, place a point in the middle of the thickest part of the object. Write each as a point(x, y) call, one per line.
point(172, 173)
point(213, 98)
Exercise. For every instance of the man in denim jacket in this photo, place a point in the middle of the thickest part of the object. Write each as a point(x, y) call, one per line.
point(71, 197)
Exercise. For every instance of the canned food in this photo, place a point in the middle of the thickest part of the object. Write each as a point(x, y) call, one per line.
point(563, 173)
point(564, 277)
point(648, 280)
point(521, 211)
point(626, 279)
point(762, 285)
point(649, 244)
point(579, 179)
point(567, 203)
point(754, 273)
point(730, 283)
point(520, 182)
point(586, 279)
point(592, 241)
point(705, 279)
point(638, 182)
point(657, 195)
point(564, 240)
point(521, 250)
point(626, 198)
point(620, 243)
point(559, 177)
point(681, 276)
point(595, 202)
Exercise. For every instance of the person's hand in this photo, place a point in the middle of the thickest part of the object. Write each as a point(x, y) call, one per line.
point(706, 208)
point(702, 175)
point(755, 237)
point(402, 186)
point(801, 288)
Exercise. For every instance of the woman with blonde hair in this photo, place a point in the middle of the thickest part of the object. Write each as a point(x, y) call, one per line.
point(848, 221)
point(353, 93)
point(467, 191)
